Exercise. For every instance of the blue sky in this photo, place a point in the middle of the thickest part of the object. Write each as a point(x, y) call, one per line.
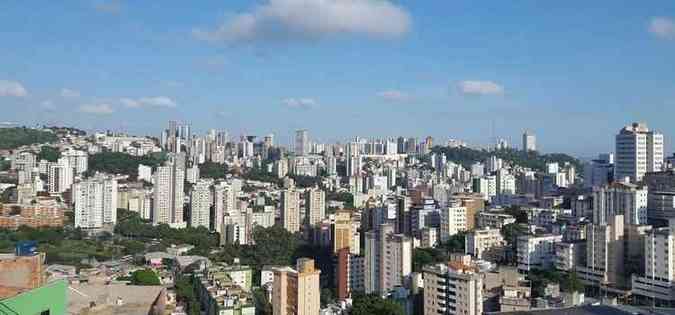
point(574, 72)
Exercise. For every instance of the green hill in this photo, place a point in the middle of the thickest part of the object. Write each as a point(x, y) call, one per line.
point(12, 138)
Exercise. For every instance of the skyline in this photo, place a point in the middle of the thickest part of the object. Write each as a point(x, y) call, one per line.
point(395, 68)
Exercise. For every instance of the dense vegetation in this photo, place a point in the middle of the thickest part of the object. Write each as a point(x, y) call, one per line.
point(145, 277)
point(122, 163)
point(48, 153)
point(344, 196)
point(131, 225)
point(185, 293)
point(373, 304)
point(541, 278)
point(534, 160)
point(12, 138)
point(428, 256)
point(212, 170)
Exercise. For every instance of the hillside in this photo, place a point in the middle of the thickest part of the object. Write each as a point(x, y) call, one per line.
point(12, 138)
point(532, 159)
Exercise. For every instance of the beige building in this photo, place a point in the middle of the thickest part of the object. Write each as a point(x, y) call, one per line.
point(297, 292)
point(343, 233)
point(454, 288)
point(315, 206)
point(453, 221)
point(485, 244)
point(604, 255)
point(388, 260)
point(290, 210)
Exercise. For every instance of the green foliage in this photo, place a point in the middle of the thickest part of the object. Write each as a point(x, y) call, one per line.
point(303, 181)
point(144, 277)
point(185, 293)
point(455, 244)
point(261, 175)
point(262, 305)
point(532, 159)
point(48, 153)
point(4, 164)
point(375, 305)
point(343, 196)
point(122, 163)
point(571, 283)
point(428, 256)
point(135, 227)
point(327, 296)
point(212, 170)
point(12, 138)
point(541, 278)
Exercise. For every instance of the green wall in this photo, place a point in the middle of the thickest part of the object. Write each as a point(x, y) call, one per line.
point(51, 296)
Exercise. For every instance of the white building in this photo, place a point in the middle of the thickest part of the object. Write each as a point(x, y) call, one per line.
point(638, 151)
point(144, 173)
point(604, 254)
point(658, 282)
point(192, 174)
point(77, 159)
point(454, 288)
point(536, 251)
point(484, 244)
point(529, 141)
point(301, 142)
point(200, 204)
point(61, 175)
point(168, 201)
point(453, 221)
point(620, 198)
point(95, 202)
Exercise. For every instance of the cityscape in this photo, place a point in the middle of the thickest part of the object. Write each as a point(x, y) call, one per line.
point(418, 200)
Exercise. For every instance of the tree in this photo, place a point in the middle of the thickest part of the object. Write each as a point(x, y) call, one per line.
point(427, 256)
point(532, 159)
point(519, 214)
point(122, 163)
point(212, 170)
point(48, 153)
point(12, 138)
point(571, 283)
point(455, 243)
point(144, 277)
point(375, 305)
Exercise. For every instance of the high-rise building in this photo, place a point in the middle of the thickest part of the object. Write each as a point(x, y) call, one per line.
point(658, 281)
point(200, 204)
point(344, 233)
point(290, 210)
point(529, 141)
point(388, 259)
point(297, 292)
point(620, 198)
point(77, 159)
point(168, 192)
point(453, 221)
point(600, 171)
point(61, 175)
point(638, 151)
point(454, 288)
point(604, 254)
point(302, 142)
point(224, 203)
point(95, 202)
point(315, 205)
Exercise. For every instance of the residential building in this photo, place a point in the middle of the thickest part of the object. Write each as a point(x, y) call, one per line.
point(168, 201)
point(453, 221)
point(454, 288)
point(201, 201)
point(388, 259)
point(95, 202)
point(536, 251)
point(624, 199)
point(604, 255)
point(290, 210)
point(297, 292)
point(315, 205)
point(638, 151)
point(486, 244)
point(529, 141)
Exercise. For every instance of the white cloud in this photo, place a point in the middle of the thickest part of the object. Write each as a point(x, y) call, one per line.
point(69, 93)
point(12, 88)
point(100, 109)
point(157, 101)
point(662, 27)
point(301, 103)
point(311, 19)
point(480, 87)
point(394, 96)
